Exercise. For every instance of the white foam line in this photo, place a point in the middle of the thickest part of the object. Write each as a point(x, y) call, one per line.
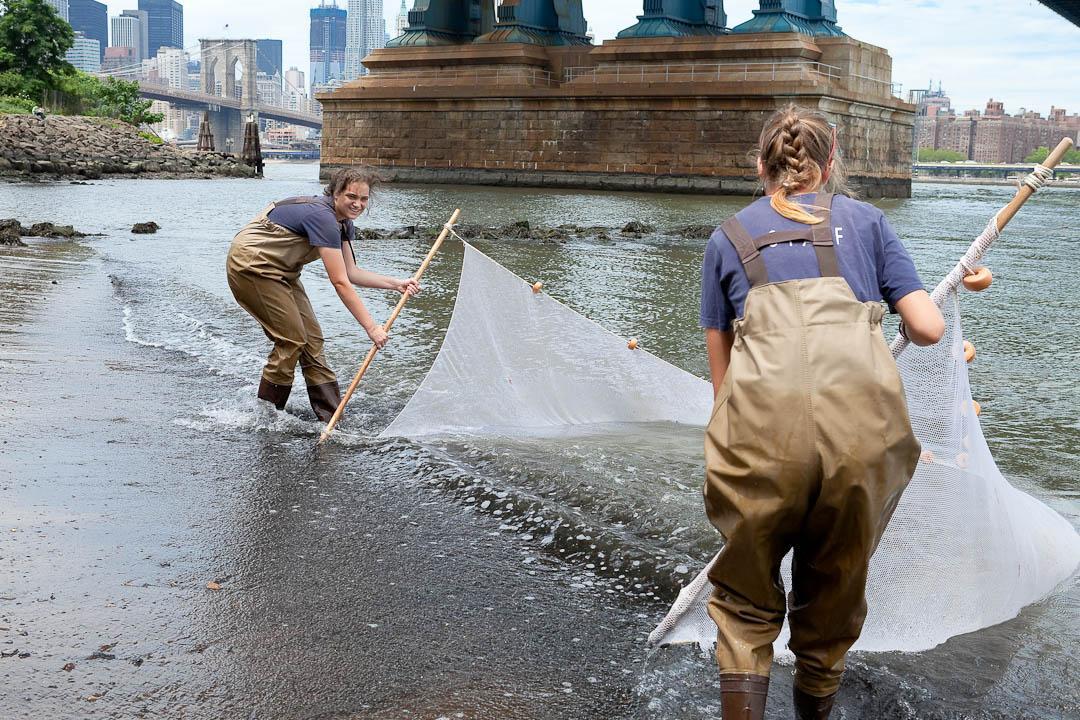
point(34, 261)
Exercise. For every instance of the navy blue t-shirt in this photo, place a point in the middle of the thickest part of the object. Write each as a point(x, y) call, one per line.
point(872, 259)
point(316, 221)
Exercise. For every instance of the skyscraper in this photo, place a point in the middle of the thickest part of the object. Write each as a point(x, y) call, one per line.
point(402, 20)
point(91, 18)
point(60, 6)
point(144, 31)
point(127, 32)
point(166, 24)
point(268, 58)
point(328, 33)
point(84, 54)
point(365, 31)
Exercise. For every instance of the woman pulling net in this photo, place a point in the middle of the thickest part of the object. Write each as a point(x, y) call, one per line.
point(809, 446)
point(263, 268)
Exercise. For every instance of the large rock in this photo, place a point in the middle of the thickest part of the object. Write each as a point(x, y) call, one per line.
point(146, 228)
point(10, 231)
point(48, 230)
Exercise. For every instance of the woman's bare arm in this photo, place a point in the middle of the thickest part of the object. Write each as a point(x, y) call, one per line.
point(718, 343)
point(922, 320)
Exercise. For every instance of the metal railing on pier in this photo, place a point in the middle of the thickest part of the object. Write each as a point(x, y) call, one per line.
point(701, 72)
point(531, 77)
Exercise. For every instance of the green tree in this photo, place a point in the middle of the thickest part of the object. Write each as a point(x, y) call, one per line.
point(33, 42)
point(1041, 153)
point(120, 99)
point(1038, 155)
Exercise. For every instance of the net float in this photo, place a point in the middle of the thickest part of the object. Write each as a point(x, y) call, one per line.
point(537, 287)
point(979, 280)
point(969, 351)
point(632, 344)
point(927, 456)
point(976, 407)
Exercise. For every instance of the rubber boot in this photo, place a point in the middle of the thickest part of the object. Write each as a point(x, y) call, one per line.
point(324, 399)
point(811, 707)
point(742, 696)
point(274, 394)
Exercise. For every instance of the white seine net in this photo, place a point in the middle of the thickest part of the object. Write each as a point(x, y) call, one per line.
point(515, 362)
point(964, 550)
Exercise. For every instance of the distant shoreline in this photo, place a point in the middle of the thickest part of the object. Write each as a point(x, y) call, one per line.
point(986, 181)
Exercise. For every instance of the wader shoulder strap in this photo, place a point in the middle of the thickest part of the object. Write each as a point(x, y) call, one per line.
point(748, 252)
point(824, 246)
point(306, 200)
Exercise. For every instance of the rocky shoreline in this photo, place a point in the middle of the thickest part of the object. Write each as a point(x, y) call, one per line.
point(523, 230)
point(11, 231)
point(62, 147)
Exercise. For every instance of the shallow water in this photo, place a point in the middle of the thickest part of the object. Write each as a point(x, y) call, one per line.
point(378, 578)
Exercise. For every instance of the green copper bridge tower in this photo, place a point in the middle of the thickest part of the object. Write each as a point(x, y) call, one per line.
point(539, 22)
point(446, 22)
point(809, 17)
point(678, 18)
point(457, 22)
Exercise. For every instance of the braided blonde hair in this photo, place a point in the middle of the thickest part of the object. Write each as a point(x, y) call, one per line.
point(798, 152)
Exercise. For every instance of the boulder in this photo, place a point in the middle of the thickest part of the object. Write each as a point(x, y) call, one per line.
point(10, 230)
point(697, 232)
point(146, 228)
point(637, 228)
point(48, 230)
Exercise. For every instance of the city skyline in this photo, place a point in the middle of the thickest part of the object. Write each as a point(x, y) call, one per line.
point(1006, 54)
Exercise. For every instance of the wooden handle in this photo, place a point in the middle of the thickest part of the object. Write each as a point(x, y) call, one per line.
point(389, 324)
point(1025, 192)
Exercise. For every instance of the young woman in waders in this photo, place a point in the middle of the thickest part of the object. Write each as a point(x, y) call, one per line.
point(809, 446)
point(263, 269)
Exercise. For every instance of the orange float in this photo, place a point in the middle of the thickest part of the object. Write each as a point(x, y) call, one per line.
point(927, 456)
point(632, 344)
point(979, 280)
point(969, 351)
point(537, 287)
point(977, 407)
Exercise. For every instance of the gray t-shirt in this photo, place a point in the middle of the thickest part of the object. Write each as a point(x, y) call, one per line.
point(872, 259)
point(316, 221)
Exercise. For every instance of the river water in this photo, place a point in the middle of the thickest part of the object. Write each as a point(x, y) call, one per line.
point(385, 578)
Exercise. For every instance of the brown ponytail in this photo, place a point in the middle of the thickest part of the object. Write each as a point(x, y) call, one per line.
point(797, 147)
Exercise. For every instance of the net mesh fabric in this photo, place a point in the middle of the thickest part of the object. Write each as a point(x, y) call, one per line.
point(964, 550)
point(515, 362)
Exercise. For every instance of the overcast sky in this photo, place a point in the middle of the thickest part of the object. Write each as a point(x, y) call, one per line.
point(1017, 51)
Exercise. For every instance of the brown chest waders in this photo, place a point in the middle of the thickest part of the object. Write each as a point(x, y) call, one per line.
point(263, 269)
point(809, 448)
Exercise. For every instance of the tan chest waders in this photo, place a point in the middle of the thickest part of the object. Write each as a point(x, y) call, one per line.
point(809, 448)
point(263, 269)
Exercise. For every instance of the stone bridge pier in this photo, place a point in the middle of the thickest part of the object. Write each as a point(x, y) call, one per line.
point(227, 126)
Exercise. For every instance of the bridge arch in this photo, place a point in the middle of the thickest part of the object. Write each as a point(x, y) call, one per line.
point(220, 60)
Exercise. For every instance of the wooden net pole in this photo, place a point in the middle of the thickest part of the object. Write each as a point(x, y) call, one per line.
point(389, 324)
